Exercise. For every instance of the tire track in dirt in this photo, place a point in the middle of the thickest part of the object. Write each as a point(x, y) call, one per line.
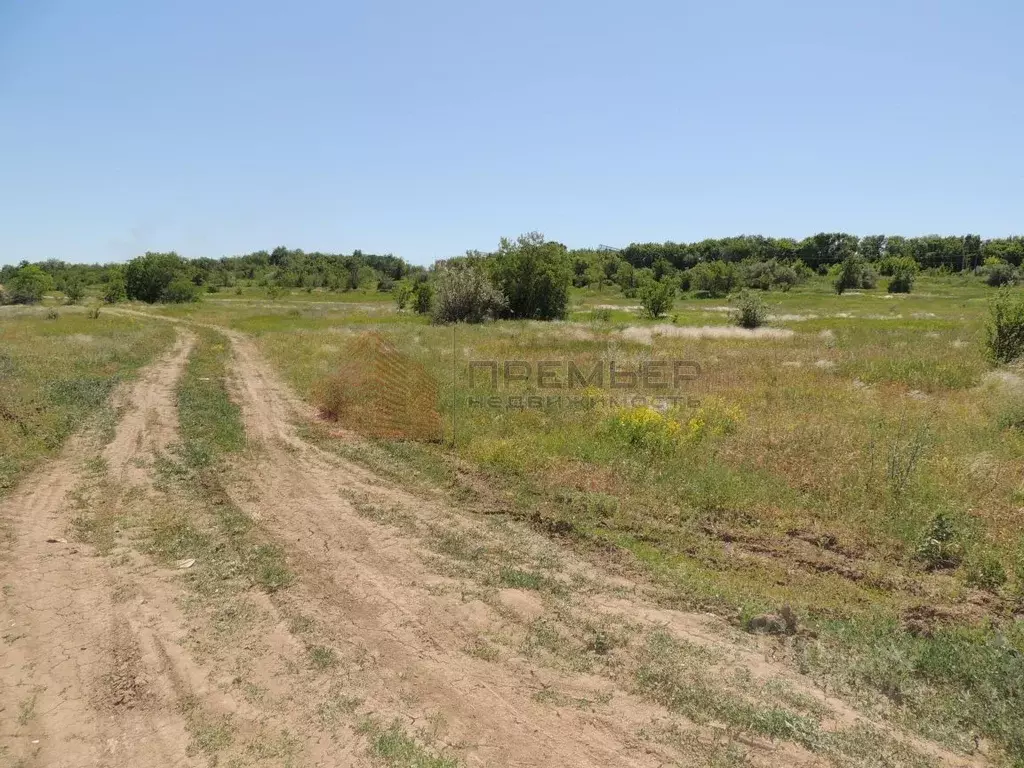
point(366, 586)
point(360, 582)
point(370, 586)
point(80, 684)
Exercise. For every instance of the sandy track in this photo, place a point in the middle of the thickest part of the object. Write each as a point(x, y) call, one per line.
point(359, 580)
point(84, 679)
point(367, 583)
point(99, 659)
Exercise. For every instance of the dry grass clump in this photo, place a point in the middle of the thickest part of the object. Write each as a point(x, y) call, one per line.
point(377, 391)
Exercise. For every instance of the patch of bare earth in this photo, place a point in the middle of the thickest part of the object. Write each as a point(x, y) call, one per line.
point(85, 678)
point(487, 639)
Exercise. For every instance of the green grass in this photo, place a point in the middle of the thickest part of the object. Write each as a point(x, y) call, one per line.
point(211, 423)
point(391, 746)
point(55, 374)
point(876, 415)
point(212, 431)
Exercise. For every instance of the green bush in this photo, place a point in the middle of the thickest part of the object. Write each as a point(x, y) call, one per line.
point(854, 272)
point(463, 294)
point(534, 277)
point(750, 311)
point(180, 291)
point(903, 271)
point(402, 293)
point(998, 273)
point(717, 278)
point(939, 547)
point(27, 286)
point(115, 290)
point(423, 298)
point(986, 571)
point(766, 275)
point(147, 278)
point(1004, 334)
point(657, 297)
point(74, 292)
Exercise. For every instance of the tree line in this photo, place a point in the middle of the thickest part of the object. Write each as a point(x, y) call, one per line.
point(524, 272)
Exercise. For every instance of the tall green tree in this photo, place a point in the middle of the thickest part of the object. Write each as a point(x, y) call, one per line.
point(28, 285)
point(534, 275)
point(147, 278)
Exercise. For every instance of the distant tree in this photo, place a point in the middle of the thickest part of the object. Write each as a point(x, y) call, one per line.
point(534, 276)
point(28, 285)
point(115, 290)
point(147, 278)
point(464, 294)
point(657, 297)
point(903, 271)
point(73, 291)
point(422, 297)
point(872, 247)
point(717, 278)
point(998, 272)
point(853, 272)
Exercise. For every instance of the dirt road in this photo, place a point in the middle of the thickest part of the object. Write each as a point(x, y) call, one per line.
point(410, 633)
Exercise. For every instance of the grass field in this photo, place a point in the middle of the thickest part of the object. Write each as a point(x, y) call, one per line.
point(56, 370)
point(813, 469)
point(856, 467)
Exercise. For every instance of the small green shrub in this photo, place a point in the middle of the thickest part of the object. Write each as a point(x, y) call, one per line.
point(601, 315)
point(657, 298)
point(986, 571)
point(1004, 334)
point(422, 298)
point(854, 272)
point(403, 292)
point(52, 314)
point(74, 292)
point(939, 547)
point(903, 271)
point(998, 273)
point(180, 291)
point(750, 311)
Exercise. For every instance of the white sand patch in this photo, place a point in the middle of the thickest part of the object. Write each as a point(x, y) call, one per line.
point(825, 365)
point(789, 318)
point(647, 334)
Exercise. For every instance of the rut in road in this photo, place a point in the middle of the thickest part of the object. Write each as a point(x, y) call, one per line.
point(369, 581)
point(85, 679)
point(403, 610)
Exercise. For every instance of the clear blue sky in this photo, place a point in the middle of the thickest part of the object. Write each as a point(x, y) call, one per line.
point(426, 128)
